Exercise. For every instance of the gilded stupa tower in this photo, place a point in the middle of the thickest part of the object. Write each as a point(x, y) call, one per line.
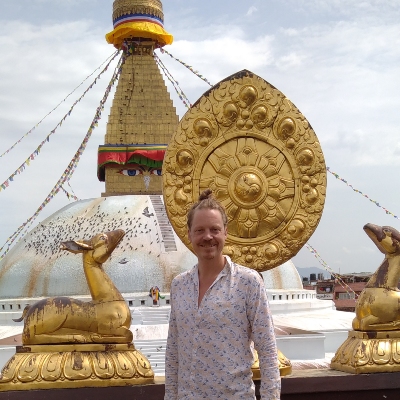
point(142, 117)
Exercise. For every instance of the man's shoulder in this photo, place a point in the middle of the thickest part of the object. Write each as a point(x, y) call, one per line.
point(242, 270)
point(183, 277)
point(246, 273)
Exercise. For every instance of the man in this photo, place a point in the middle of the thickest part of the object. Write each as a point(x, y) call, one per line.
point(217, 310)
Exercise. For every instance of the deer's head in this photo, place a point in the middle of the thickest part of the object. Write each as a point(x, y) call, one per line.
point(101, 245)
point(386, 238)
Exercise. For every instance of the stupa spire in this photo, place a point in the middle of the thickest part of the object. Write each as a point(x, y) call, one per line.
point(142, 117)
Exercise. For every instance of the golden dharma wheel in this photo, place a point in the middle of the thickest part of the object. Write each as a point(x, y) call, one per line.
point(256, 151)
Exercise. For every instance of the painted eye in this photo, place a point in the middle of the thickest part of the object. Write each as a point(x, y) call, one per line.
point(156, 172)
point(130, 172)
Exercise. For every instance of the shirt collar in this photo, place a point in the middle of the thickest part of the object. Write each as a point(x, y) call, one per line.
point(228, 268)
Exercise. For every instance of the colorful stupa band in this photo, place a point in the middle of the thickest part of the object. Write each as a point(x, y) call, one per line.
point(151, 155)
point(139, 29)
point(138, 18)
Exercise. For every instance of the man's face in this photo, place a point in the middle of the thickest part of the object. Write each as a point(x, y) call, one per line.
point(207, 234)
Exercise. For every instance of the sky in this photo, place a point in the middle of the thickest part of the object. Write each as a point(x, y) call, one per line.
point(338, 61)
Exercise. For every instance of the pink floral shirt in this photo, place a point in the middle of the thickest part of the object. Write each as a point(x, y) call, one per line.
point(209, 347)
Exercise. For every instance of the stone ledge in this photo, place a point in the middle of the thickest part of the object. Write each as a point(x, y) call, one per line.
point(301, 385)
point(328, 380)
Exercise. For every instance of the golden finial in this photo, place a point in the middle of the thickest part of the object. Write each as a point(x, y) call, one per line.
point(141, 19)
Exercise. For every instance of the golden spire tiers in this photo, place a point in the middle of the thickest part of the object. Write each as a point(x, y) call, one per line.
point(138, 19)
point(142, 118)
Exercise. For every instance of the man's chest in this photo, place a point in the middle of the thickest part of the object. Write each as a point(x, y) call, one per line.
point(223, 304)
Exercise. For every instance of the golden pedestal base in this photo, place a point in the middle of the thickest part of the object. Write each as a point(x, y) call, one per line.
point(285, 366)
point(75, 366)
point(368, 352)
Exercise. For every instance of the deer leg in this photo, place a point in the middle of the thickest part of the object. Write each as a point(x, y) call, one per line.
point(35, 325)
point(125, 337)
point(121, 334)
point(48, 338)
point(372, 323)
point(356, 324)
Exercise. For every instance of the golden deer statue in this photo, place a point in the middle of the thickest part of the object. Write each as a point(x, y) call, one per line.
point(378, 307)
point(105, 319)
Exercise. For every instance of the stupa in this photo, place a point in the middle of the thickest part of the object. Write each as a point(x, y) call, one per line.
point(141, 121)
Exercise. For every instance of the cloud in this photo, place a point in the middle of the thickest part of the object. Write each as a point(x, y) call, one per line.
point(344, 73)
point(348, 8)
point(65, 2)
point(359, 250)
point(251, 11)
point(288, 61)
point(215, 59)
point(290, 32)
point(371, 249)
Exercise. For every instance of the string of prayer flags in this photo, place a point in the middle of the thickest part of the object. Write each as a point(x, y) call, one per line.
point(175, 84)
point(362, 194)
point(35, 153)
point(73, 193)
point(187, 66)
point(68, 172)
point(55, 108)
point(69, 195)
point(337, 277)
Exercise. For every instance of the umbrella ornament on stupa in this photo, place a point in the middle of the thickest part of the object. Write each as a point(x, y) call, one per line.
point(142, 19)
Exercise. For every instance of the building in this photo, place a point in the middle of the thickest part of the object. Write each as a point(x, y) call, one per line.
point(343, 290)
point(345, 296)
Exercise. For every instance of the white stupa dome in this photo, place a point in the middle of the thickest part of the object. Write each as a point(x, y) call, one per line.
point(149, 255)
point(284, 276)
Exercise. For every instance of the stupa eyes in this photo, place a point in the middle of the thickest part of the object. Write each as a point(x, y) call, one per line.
point(140, 171)
point(156, 171)
point(130, 172)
